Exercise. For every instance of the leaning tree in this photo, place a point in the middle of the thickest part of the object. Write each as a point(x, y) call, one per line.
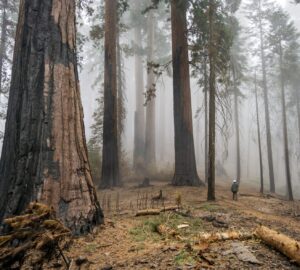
point(44, 155)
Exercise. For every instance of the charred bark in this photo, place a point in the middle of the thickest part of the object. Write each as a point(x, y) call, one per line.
point(110, 160)
point(267, 111)
point(139, 120)
point(185, 163)
point(150, 154)
point(44, 155)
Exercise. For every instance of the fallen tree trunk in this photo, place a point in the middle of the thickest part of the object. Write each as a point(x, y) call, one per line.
point(169, 208)
point(148, 212)
point(223, 236)
point(284, 244)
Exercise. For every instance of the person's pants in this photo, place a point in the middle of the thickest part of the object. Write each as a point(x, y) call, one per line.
point(234, 196)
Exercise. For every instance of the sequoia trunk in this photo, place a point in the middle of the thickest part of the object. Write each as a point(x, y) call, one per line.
point(110, 160)
point(44, 154)
point(185, 163)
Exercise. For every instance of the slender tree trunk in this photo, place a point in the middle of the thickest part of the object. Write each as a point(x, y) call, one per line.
point(259, 142)
point(185, 162)
point(139, 126)
point(150, 159)
point(237, 127)
point(110, 156)
point(267, 112)
point(285, 132)
point(206, 121)
point(212, 107)
point(3, 41)
point(120, 94)
point(44, 155)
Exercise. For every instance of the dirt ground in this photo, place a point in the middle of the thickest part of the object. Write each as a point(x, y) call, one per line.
point(129, 242)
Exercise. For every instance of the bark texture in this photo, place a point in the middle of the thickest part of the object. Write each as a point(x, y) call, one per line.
point(110, 160)
point(185, 163)
point(44, 155)
point(286, 245)
point(139, 120)
point(150, 153)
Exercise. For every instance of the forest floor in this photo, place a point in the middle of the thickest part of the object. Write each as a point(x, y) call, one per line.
point(129, 242)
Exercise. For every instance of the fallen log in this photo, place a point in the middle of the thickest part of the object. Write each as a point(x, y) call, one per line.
point(149, 212)
point(284, 244)
point(169, 208)
point(223, 236)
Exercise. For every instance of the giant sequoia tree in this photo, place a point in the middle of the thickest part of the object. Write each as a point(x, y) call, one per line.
point(44, 155)
point(110, 160)
point(185, 163)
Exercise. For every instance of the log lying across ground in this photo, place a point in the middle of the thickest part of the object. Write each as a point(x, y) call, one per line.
point(33, 239)
point(284, 244)
point(149, 212)
point(224, 236)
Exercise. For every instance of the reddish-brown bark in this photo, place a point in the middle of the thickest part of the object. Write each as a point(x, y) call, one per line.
point(110, 160)
point(185, 163)
point(44, 154)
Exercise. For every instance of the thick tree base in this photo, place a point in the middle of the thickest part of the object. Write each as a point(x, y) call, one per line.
point(187, 180)
point(85, 225)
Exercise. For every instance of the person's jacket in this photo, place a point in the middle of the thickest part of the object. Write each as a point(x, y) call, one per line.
point(235, 187)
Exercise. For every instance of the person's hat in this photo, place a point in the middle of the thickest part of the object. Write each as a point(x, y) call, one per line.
point(234, 181)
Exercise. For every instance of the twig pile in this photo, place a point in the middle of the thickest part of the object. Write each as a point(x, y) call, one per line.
point(32, 239)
